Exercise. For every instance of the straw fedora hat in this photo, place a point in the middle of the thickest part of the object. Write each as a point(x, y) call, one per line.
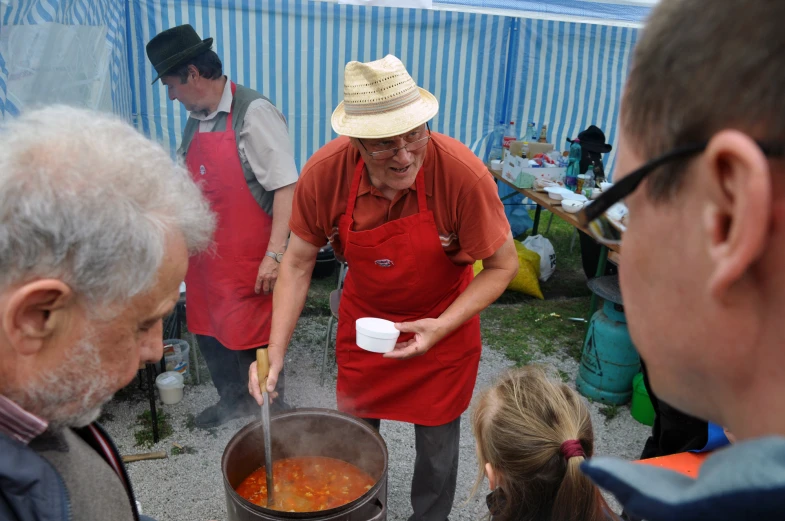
point(380, 99)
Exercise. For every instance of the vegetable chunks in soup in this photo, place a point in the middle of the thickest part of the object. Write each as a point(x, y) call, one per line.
point(307, 484)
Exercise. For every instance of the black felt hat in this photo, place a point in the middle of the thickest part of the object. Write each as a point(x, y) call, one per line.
point(174, 47)
point(593, 140)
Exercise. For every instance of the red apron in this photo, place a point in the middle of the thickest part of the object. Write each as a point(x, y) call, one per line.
point(220, 299)
point(399, 272)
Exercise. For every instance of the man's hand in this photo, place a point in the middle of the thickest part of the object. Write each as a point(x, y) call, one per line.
point(427, 332)
point(272, 380)
point(268, 274)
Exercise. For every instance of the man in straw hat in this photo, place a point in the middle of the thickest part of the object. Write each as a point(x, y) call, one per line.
point(410, 211)
point(236, 146)
point(702, 172)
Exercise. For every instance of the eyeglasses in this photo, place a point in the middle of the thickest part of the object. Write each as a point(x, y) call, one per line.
point(604, 217)
point(410, 146)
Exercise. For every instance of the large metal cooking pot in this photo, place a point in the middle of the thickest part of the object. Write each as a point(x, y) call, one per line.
point(308, 432)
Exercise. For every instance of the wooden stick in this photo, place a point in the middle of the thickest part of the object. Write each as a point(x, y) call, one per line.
point(144, 456)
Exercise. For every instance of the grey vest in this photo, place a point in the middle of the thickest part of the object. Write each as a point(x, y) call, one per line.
point(242, 99)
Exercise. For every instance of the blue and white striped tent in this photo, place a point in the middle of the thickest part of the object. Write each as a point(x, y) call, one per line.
point(560, 63)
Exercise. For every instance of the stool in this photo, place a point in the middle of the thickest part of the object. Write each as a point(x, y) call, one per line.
point(609, 361)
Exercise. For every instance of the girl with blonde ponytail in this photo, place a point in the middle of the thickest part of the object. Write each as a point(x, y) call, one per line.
point(532, 435)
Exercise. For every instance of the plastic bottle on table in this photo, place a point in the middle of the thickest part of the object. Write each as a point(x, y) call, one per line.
point(543, 135)
point(509, 137)
point(588, 183)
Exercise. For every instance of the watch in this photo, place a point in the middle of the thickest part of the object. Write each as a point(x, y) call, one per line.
point(277, 256)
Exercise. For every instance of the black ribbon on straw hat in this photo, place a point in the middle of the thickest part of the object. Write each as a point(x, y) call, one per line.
point(173, 47)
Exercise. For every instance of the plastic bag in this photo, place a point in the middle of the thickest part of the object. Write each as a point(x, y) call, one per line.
point(528, 271)
point(544, 248)
point(515, 210)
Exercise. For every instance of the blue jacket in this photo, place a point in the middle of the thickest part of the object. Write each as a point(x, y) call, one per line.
point(31, 489)
point(739, 482)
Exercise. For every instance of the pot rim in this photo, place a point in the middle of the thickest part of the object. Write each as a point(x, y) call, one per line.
point(306, 411)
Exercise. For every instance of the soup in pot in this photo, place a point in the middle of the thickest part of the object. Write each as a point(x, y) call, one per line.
point(307, 484)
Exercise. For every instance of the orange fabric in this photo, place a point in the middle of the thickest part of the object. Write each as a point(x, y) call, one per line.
point(460, 192)
point(687, 463)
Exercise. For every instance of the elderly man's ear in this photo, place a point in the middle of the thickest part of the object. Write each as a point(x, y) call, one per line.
point(36, 312)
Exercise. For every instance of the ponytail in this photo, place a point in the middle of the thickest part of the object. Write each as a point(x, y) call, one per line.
point(578, 497)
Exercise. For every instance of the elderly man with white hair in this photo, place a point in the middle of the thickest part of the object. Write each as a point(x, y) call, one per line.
point(96, 227)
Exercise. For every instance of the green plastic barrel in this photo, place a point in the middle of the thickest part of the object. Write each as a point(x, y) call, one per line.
point(641, 407)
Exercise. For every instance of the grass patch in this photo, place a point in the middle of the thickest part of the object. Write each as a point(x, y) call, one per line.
point(144, 435)
point(565, 377)
point(609, 411)
point(318, 300)
point(538, 327)
point(525, 328)
point(190, 422)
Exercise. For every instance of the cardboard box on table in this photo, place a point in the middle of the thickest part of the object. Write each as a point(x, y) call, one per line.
point(517, 171)
point(516, 148)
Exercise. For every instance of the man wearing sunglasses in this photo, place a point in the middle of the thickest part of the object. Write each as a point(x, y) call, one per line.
point(702, 135)
point(410, 211)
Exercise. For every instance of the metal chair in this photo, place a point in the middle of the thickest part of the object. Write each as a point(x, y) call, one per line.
point(335, 301)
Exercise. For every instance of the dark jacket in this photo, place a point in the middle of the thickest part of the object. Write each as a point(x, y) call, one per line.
point(31, 489)
point(743, 481)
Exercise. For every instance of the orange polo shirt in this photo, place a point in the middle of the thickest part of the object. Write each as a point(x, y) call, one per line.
point(460, 192)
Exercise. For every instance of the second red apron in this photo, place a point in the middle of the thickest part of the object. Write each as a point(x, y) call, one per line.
point(399, 272)
point(220, 297)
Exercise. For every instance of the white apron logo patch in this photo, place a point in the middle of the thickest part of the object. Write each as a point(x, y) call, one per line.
point(202, 169)
point(384, 263)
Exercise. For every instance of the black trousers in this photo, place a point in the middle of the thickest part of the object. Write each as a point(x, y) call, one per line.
point(229, 371)
point(435, 469)
point(673, 431)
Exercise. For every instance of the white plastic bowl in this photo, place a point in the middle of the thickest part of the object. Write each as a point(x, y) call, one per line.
point(376, 334)
point(170, 387)
point(605, 186)
point(574, 197)
point(555, 192)
point(571, 205)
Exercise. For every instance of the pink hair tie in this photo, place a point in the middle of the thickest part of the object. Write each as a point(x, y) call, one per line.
point(571, 448)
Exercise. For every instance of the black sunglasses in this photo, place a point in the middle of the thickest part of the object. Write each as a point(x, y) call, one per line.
point(630, 182)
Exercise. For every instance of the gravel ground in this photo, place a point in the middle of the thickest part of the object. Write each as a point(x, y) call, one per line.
point(189, 487)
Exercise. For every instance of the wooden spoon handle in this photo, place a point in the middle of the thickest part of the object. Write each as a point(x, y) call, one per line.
point(262, 368)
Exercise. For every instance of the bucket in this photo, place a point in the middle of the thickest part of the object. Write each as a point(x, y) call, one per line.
point(176, 356)
point(170, 387)
point(641, 407)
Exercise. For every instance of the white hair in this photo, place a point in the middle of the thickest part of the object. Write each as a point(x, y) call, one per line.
point(87, 199)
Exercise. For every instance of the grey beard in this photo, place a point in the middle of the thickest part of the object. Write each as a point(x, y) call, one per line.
point(72, 394)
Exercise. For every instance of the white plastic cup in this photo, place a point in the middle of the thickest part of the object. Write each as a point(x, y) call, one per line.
point(376, 334)
point(170, 387)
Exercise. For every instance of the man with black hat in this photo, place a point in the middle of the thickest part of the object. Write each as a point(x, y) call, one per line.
point(237, 147)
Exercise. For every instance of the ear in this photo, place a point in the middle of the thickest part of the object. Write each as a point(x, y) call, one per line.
point(738, 218)
point(491, 476)
point(35, 312)
point(193, 72)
